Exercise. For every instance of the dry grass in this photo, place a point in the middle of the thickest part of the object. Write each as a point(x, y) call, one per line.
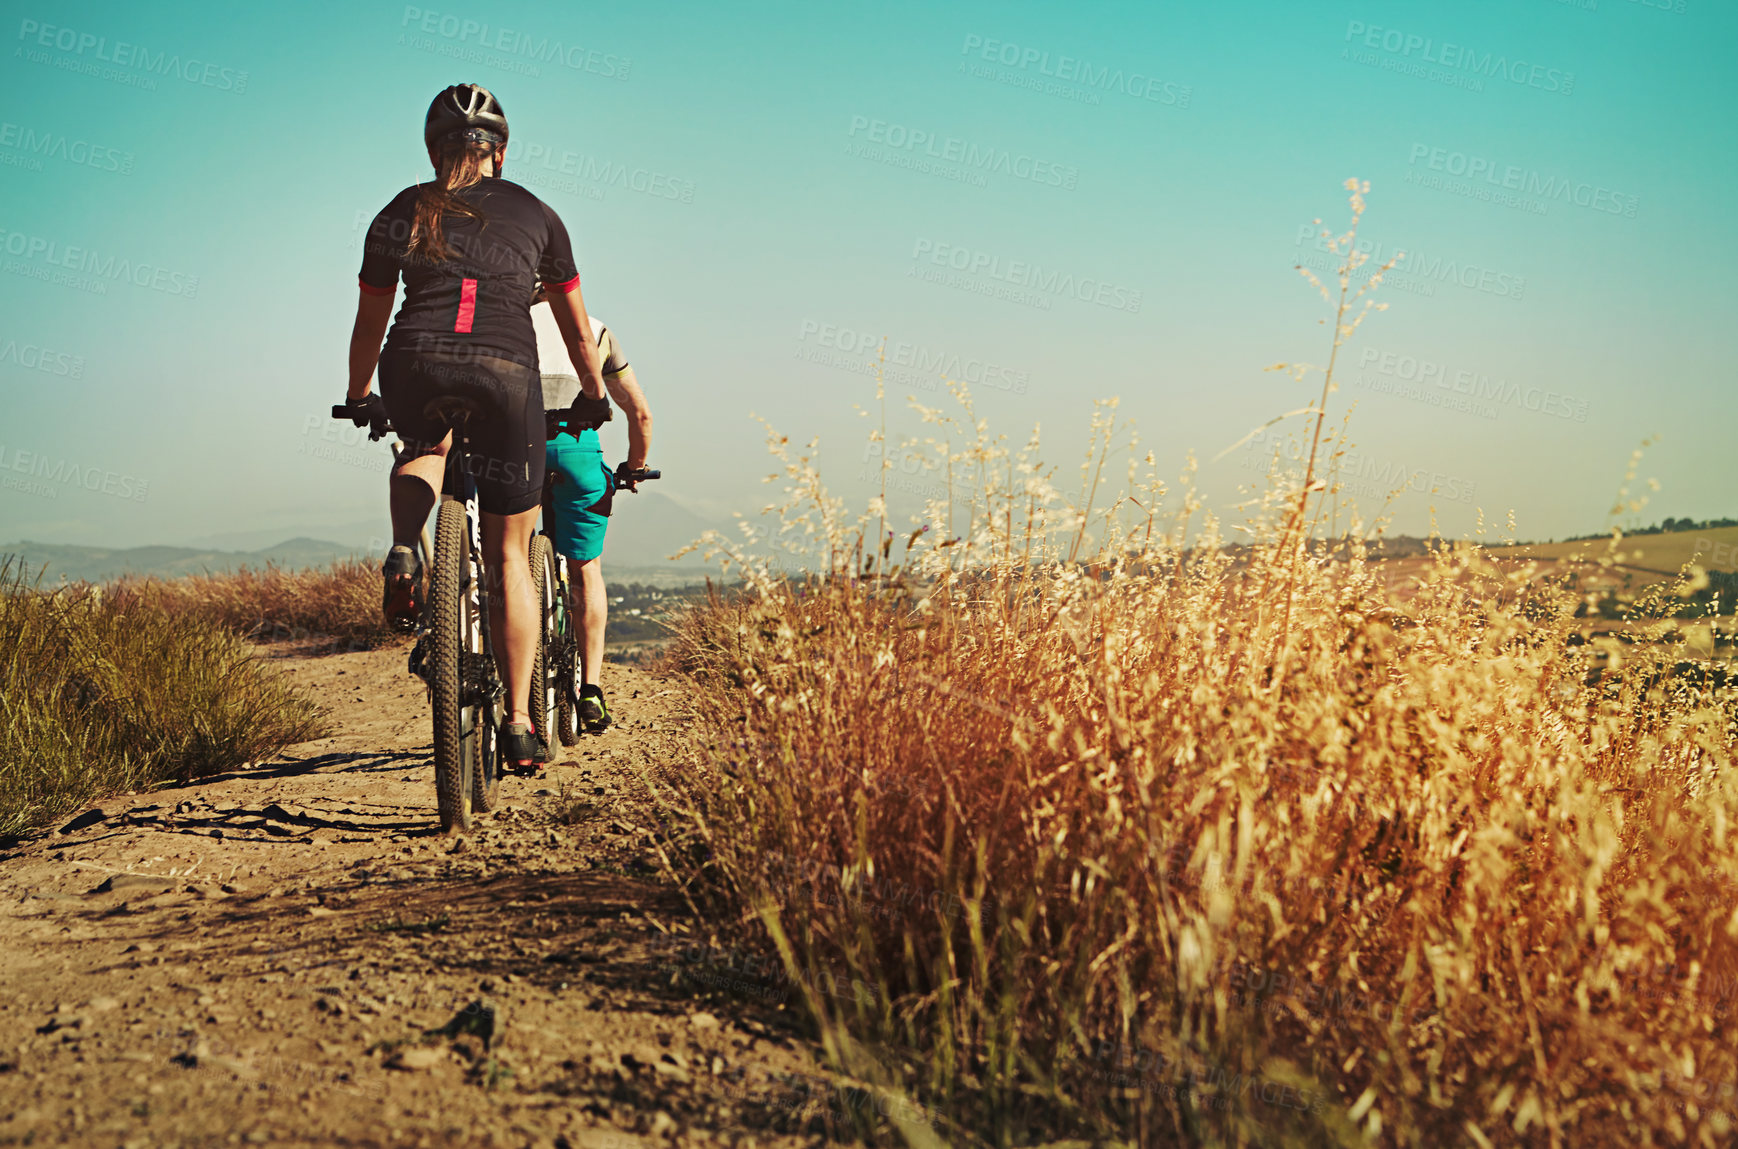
point(1130, 842)
point(339, 603)
point(100, 694)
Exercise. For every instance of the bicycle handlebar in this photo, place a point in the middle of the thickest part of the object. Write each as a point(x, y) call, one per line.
point(375, 432)
point(384, 427)
point(642, 474)
point(554, 424)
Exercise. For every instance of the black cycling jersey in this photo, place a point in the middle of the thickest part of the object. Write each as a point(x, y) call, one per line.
point(474, 301)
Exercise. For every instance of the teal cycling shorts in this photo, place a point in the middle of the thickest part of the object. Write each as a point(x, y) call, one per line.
point(579, 501)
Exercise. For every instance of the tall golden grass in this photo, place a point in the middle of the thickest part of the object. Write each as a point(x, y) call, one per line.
point(339, 603)
point(102, 693)
point(1127, 835)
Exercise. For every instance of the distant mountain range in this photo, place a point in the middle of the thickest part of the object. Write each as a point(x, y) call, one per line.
point(58, 562)
point(645, 528)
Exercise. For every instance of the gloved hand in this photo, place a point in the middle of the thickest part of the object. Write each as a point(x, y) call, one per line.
point(583, 412)
point(369, 411)
point(629, 478)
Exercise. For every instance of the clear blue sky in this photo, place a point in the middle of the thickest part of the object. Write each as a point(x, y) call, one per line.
point(728, 185)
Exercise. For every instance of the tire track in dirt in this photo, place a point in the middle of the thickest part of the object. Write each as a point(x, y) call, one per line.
point(293, 955)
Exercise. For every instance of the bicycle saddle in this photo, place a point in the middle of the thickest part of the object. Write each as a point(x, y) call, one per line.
point(452, 409)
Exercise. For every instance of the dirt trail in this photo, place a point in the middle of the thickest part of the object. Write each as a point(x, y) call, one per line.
point(293, 955)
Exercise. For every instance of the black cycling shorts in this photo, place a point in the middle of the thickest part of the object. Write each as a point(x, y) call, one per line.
point(507, 441)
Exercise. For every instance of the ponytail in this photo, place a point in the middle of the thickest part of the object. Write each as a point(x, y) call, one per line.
point(459, 166)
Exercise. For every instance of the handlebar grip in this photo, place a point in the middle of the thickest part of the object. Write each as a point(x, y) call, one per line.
point(376, 431)
point(623, 475)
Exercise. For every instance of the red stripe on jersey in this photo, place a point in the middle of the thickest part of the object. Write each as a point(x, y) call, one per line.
point(571, 285)
point(373, 290)
point(467, 307)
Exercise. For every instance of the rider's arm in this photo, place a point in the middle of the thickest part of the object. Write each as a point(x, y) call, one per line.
point(373, 313)
point(625, 390)
point(568, 308)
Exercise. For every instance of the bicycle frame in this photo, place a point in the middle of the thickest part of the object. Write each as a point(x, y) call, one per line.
point(454, 651)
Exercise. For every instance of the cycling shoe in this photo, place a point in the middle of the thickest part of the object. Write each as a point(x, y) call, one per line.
point(593, 712)
point(521, 748)
point(401, 599)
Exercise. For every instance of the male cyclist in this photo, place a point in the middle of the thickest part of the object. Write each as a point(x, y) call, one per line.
point(576, 512)
point(469, 245)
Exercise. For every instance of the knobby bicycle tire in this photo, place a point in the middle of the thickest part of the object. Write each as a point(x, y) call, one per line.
point(486, 762)
point(448, 631)
point(567, 675)
point(482, 749)
point(567, 708)
point(543, 704)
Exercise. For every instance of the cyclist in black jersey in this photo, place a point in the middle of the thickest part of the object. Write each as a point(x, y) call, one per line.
point(469, 246)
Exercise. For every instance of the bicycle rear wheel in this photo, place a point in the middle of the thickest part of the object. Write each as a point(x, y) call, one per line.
point(452, 627)
point(544, 704)
point(486, 763)
point(566, 671)
point(567, 725)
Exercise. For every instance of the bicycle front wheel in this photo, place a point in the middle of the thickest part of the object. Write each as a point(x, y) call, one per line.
point(453, 631)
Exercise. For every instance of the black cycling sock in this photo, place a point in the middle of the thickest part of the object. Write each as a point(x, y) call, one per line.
point(591, 690)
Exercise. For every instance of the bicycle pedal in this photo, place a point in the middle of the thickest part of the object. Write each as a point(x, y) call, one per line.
point(419, 658)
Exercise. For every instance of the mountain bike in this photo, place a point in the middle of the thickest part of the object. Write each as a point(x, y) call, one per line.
point(454, 651)
point(560, 669)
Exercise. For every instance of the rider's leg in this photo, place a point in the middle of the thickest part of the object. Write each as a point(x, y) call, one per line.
point(416, 484)
point(512, 605)
point(591, 607)
point(413, 488)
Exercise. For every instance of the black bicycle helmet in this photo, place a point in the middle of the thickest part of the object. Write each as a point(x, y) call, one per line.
point(463, 107)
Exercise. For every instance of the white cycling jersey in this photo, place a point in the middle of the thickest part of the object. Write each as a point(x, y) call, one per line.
point(560, 378)
point(552, 356)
